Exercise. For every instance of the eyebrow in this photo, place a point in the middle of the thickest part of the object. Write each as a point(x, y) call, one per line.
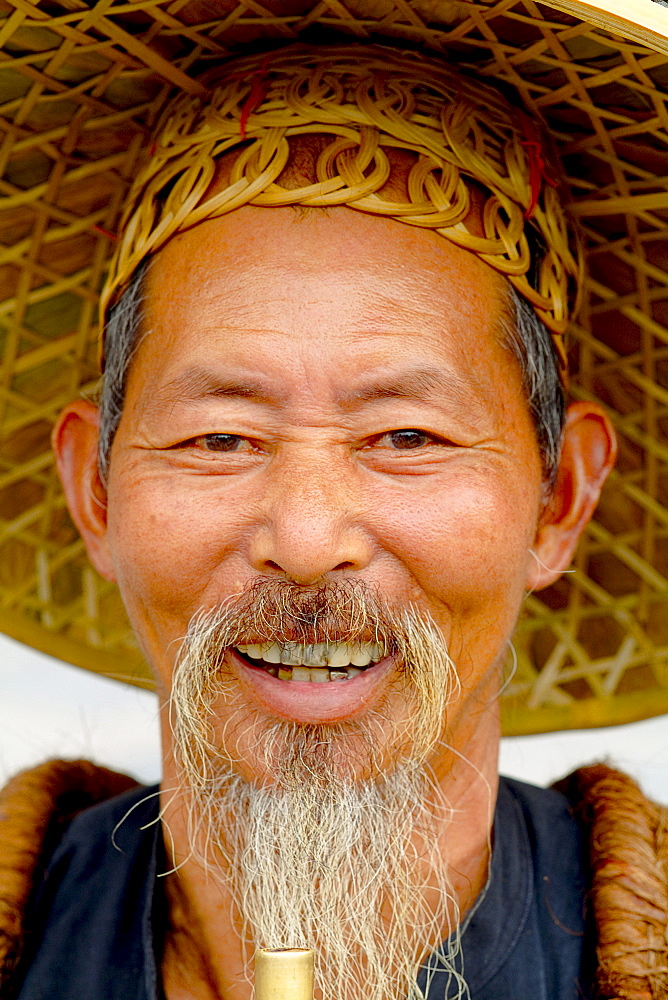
point(201, 383)
point(418, 384)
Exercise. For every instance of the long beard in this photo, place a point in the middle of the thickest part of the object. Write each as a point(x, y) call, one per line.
point(314, 856)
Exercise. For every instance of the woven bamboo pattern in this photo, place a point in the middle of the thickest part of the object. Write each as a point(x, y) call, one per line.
point(370, 103)
point(81, 89)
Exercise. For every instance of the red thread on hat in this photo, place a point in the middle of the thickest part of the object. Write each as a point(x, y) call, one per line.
point(258, 92)
point(105, 232)
point(537, 165)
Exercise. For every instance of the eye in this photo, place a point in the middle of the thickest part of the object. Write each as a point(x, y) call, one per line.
point(406, 439)
point(222, 442)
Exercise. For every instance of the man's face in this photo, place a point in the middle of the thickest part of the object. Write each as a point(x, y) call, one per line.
point(325, 398)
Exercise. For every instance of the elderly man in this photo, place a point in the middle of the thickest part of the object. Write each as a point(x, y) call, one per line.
point(329, 460)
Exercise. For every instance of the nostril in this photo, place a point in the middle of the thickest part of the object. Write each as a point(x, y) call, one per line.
point(308, 550)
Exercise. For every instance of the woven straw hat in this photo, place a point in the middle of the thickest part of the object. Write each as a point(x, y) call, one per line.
point(81, 87)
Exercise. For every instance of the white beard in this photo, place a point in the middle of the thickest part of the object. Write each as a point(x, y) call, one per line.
point(314, 857)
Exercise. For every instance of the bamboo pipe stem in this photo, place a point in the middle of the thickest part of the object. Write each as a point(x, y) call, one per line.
point(283, 974)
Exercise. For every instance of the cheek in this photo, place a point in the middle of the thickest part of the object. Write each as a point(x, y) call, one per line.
point(167, 545)
point(465, 544)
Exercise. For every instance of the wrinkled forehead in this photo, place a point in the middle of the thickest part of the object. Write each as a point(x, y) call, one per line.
point(323, 292)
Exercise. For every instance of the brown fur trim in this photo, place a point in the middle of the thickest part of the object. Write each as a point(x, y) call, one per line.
point(35, 807)
point(628, 847)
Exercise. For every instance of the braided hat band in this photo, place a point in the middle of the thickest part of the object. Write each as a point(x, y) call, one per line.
point(371, 101)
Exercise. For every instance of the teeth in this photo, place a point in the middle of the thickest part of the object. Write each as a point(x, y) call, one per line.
point(315, 663)
point(361, 657)
point(314, 656)
point(255, 652)
point(339, 655)
point(291, 655)
point(272, 654)
point(315, 675)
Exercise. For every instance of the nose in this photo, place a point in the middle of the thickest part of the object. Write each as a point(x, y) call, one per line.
point(311, 526)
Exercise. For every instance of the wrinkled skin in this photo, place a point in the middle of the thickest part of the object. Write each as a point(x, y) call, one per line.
point(310, 340)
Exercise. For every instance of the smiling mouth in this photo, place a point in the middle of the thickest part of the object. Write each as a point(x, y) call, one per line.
point(318, 663)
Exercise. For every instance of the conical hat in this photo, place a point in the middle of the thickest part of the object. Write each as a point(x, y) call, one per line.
point(81, 88)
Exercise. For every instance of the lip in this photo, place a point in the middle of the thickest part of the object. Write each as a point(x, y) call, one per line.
point(307, 702)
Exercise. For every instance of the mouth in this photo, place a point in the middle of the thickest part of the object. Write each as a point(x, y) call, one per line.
point(321, 683)
point(318, 663)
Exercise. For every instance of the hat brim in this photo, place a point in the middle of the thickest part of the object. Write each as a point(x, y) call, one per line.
point(80, 90)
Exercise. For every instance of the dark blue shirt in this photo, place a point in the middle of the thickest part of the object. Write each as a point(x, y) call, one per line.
point(101, 910)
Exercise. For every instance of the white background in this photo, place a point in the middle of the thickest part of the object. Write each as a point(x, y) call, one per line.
point(49, 709)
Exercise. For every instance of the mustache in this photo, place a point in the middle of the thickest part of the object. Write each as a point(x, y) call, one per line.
point(282, 611)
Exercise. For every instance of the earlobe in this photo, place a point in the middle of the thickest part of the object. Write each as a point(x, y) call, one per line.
point(588, 453)
point(74, 442)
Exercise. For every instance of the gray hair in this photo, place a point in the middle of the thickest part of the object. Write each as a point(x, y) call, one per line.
point(525, 335)
point(122, 337)
point(530, 341)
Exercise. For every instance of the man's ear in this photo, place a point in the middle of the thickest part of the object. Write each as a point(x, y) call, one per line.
point(74, 442)
point(588, 453)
